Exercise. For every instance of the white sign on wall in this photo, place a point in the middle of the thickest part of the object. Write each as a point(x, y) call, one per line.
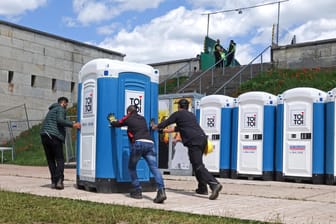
point(88, 100)
point(136, 98)
point(250, 120)
point(297, 118)
point(210, 120)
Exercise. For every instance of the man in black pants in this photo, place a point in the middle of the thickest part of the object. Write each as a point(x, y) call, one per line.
point(53, 137)
point(195, 139)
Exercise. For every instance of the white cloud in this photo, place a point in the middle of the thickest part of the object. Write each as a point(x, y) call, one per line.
point(177, 35)
point(180, 34)
point(95, 11)
point(314, 30)
point(12, 8)
point(107, 30)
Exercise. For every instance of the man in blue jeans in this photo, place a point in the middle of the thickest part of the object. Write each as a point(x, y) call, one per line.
point(141, 145)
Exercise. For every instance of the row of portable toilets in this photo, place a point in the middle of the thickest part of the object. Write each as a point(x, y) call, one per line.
point(257, 135)
point(289, 137)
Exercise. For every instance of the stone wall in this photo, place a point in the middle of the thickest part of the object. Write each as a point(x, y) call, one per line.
point(184, 67)
point(36, 68)
point(306, 55)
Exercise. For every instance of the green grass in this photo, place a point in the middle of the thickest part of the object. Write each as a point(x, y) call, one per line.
point(171, 84)
point(279, 80)
point(26, 208)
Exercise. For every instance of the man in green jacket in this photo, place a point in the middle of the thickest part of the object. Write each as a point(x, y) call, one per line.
point(53, 137)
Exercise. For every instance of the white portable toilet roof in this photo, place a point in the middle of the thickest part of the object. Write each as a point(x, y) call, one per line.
point(331, 95)
point(221, 100)
point(257, 96)
point(104, 67)
point(315, 95)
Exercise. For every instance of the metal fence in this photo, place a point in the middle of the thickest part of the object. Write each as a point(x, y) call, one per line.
point(11, 129)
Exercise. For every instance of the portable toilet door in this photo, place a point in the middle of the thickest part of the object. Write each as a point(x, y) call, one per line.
point(302, 147)
point(109, 86)
point(253, 150)
point(215, 120)
point(173, 155)
point(330, 138)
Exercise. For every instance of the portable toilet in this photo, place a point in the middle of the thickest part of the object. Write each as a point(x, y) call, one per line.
point(253, 137)
point(330, 138)
point(173, 155)
point(109, 86)
point(215, 120)
point(300, 143)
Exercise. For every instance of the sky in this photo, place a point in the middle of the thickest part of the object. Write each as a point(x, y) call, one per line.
point(153, 31)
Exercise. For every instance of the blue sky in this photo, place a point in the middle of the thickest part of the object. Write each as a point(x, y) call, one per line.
point(151, 31)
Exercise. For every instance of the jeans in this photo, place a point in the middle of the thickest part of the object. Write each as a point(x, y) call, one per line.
point(146, 150)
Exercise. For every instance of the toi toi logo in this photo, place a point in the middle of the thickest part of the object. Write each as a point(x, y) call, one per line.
point(298, 119)
point(211, 122)
point(88, 104)
point(137, 102)
point(251, 121)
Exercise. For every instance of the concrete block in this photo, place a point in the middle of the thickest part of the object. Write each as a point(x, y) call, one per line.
point(23, 35)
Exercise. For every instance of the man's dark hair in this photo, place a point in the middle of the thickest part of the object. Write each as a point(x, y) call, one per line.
point(62, 98)
point(132, 109)
point(183, 103)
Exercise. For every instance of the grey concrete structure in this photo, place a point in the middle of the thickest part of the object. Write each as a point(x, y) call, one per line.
point(37, 67)
point(306, 55)
point(183, 67)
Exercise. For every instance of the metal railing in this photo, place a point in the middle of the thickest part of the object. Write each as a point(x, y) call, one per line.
point(239, 73)
point(177, 73)
point(199, 77)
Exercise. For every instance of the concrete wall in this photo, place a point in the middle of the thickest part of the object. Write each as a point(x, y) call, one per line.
point(306, 55)
point(183, 67)
point(36, 68)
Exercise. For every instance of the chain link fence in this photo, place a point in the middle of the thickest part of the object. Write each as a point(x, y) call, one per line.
point(14, 121)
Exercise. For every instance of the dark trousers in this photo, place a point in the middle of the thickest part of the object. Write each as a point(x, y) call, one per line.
point(53, 148)
point(218, 58)
point(229, 59)
point(203, 176)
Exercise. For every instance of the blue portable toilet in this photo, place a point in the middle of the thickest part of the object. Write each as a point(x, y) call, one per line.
point(300, 150)
point(253, 137)
point(109, 86)
point(330, 138)
point(215, 120)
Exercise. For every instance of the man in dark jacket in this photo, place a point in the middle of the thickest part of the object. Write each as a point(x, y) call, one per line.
point(218, 52)
point(195, 139)
point(53, 136)
point(231, 53)
point(141, 145)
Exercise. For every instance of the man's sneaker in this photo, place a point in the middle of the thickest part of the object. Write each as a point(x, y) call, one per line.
point(201, 191)
point(137, 194)
point(215, 191)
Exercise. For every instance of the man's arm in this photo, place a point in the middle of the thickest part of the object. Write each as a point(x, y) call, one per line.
point(61, 120)
point(119, 123)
